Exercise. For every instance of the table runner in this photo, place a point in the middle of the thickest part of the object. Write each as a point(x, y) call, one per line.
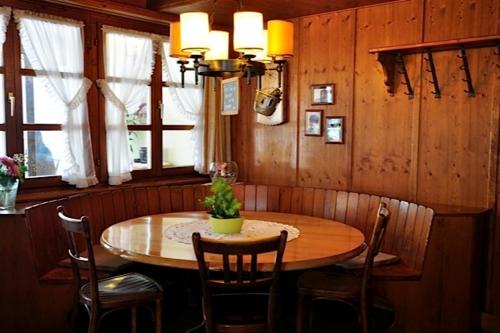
point(251, 230)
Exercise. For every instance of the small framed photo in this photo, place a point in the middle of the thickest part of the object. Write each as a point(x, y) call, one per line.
point(314, 122)
point(334, 127)
point(230, 96)
point(322, 94)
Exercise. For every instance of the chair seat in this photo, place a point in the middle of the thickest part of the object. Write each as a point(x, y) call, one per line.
point(240, 312)
point(121, 290)
point(105, 261)
point(330, 284)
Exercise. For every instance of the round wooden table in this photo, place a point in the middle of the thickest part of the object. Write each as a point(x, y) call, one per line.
point(321, 242)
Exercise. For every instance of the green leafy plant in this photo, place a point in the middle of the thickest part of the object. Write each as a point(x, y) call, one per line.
point(222, 204)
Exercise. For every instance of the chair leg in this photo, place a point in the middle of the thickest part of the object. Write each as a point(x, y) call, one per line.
point(73, 315)
point(158, 316)
point(93, 320)
point(303, 311)
point(133, 322)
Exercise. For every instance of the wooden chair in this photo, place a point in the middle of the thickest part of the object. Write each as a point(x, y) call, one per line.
point(100, 297)
point(231, 303)
point(353, 289)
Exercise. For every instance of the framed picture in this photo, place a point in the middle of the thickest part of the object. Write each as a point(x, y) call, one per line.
point(314, 122)
point(322, 94)
point(334, 127)
point(230, 96)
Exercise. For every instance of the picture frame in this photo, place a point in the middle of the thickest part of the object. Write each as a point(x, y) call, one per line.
point(323, 94)
point(230, 96)
point(313, 123)
point(334, 129)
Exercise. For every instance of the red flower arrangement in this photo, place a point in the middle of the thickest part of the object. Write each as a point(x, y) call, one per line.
point(12, 168)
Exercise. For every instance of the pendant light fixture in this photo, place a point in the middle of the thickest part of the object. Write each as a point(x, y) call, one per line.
point(192, 38)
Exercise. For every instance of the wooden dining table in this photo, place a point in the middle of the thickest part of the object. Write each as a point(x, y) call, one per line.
point(321, 242)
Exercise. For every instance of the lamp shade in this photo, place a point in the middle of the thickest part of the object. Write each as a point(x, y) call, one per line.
point(195, 35)
point(175, 41)
point(262, 55)
point(280, 38)
point(247, 37)
point(219, 45)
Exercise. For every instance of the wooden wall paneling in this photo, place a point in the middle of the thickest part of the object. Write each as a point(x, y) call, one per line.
point(296, 200)
point(319, 202)
point(273, 198)
point(326, 165)
point(360, 222)
point(108, 210)
point(119, 206)
point(330, 204)
point(188, 198)
point(341, 206)
point(153, 197)
point(402, 229)
point(176, 199)
point(261, 198)
point(89, 210)
point(141, 201)
point(390, 232)
point(455, 136)
point(250, 193)
point(239, 193)
point(130, 205)
point(165, 201)
point(200, 192)
point(286, 199)
point(383, 125)
point(462, 19)
point(307, 201)
point(352, 208)
point(372, 214)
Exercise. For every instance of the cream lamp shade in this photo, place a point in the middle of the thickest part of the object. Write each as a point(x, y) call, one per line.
point(219, 45)
point(280, 38)
point(247, 37)
point(175, 41)
point(195, 32)
point(262, 55)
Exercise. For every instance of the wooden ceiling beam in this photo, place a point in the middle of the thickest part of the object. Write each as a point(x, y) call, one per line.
point(168, 4)
point(120, 9)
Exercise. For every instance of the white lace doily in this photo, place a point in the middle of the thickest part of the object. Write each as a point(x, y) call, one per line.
point(250, 231)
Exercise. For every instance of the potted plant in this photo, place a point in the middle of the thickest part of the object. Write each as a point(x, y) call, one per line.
point(12, 171)
point(224, 208)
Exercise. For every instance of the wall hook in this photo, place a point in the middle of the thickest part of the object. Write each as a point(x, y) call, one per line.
point(432, 69)
point(404, 72)
point(465, 67)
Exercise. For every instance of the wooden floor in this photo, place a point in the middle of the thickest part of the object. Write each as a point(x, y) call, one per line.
point(182, 308)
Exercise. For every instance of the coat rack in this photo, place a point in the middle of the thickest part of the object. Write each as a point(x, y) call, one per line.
point(389, 57)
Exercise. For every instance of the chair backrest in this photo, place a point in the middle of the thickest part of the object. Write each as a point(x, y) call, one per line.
point(242, 275)
point(374, 246)
point(77, 230)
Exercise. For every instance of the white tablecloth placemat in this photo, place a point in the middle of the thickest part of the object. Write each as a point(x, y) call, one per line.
point(251, 230)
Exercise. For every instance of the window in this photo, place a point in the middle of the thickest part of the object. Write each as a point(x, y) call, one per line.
point(182, 109)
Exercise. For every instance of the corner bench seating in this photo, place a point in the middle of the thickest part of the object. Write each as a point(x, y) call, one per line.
point(407, 234)
point(414, 286)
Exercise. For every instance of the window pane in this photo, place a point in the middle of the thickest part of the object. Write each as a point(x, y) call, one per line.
point(43, 151)
point(140, 146)
point(177, 149)
point(38, 106)
point(2, 99)
point(3, 145)
point(171, 113)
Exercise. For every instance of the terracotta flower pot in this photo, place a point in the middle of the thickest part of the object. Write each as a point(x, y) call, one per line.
point(226, 226)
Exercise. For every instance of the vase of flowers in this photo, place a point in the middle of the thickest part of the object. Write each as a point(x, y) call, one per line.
point(224, 208)
point(12, 172)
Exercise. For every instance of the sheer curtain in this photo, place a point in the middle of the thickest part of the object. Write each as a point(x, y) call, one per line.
point(129, 62)
point(54, 47)
point(4, 21)
point(188, 101)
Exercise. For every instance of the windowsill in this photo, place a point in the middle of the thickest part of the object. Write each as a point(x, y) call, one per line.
point(31, 196)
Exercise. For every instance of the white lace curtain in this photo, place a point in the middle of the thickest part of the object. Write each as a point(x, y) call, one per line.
point(54, 47)
point(187, 101)
point(4, 21)
point(128, 62)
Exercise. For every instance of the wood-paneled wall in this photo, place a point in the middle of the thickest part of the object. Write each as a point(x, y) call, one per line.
point(441, 151)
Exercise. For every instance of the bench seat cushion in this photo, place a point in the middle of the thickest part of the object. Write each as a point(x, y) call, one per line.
point(105, 261)
point(359, 261)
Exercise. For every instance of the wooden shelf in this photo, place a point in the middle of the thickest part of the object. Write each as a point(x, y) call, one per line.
point(453, 44)
point(391, 56)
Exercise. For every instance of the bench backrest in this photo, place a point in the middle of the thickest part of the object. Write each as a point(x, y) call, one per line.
point(407, 234)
